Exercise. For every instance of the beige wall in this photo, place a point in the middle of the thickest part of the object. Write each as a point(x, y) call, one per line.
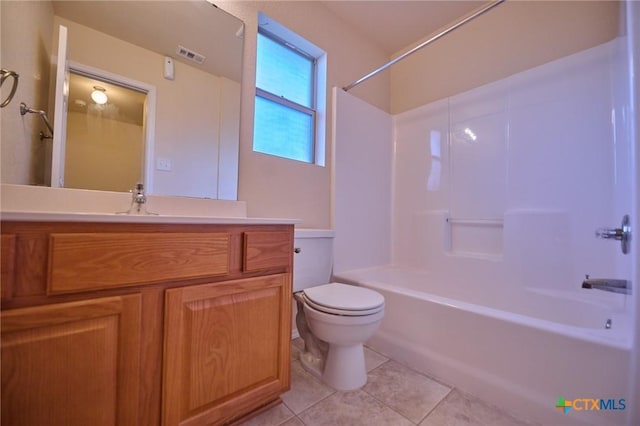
point(101, 153)
point(23, 154)
point(514, 36)
point(510, 38)
point(275, 187)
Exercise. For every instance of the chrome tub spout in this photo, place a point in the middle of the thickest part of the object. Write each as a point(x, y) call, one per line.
point(608, 284)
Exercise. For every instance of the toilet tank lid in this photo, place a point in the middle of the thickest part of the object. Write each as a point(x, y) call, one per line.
point(345, 297)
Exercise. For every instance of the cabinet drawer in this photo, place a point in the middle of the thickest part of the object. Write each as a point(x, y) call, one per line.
point(87, 261)
point(265, 250)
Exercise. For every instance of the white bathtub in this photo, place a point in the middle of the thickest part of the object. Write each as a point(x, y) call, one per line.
point(520, 352)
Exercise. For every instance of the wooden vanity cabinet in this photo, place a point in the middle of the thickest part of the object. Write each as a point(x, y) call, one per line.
point(222, 348)
point(143, 324)
point(72, 363)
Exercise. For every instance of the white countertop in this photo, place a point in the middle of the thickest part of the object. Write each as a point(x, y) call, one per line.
point(42, 204)
point(138, 218)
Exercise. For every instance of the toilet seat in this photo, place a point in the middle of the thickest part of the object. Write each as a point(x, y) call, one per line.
point(343, 299)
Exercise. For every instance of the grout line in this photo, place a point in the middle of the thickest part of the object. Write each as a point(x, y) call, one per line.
point(432, 378)
point(333, 391)
point(437, 405)
point(376, 367)
point(451, 388)
point(313, 405)
point(387, 359)
point(389, 407)
point(378, 352)
point(291, 418)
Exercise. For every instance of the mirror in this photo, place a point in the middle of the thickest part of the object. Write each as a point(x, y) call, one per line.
point(195, 137)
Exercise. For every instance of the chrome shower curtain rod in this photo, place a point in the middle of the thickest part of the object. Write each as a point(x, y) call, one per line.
point(444, 32)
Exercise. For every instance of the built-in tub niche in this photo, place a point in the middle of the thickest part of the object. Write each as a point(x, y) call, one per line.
point(478, 237)
point(191, 111)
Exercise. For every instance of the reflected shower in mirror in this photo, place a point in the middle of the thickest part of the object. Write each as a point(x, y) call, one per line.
point(105, 137)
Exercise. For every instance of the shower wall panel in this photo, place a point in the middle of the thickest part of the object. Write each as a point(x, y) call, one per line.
point(517, 173)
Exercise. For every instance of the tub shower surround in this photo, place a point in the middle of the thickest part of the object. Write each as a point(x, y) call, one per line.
point(521, 171)
point(505, 353)
point(496, 194)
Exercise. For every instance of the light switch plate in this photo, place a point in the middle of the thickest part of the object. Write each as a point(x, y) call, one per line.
point(163, 164)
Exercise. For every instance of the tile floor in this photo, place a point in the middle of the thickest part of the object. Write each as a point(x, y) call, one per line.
point(394, 395)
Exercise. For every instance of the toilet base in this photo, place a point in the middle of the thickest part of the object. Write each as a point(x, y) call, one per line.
point(312, 364)
point(344, 367)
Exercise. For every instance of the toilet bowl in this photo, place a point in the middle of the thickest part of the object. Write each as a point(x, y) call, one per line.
point(333, 319)
point(345, 327)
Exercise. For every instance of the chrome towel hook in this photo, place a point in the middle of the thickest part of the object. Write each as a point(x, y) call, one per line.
point(4, 74)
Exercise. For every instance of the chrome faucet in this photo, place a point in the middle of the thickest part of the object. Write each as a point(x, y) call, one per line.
point(139, 198)
point(608, 284)
point(138, 201)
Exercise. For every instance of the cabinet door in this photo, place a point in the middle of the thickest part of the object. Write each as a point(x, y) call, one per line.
point(226, 349)
point(72, 363)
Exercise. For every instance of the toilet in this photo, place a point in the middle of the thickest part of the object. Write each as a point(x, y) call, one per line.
point(333, 319)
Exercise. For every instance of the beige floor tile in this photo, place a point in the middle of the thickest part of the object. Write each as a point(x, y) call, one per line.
point(273, 417)
point(294, 421)
point(373, 359)
point(459, 409)
point(406, 391)
point(305, 391)
point(352, 408)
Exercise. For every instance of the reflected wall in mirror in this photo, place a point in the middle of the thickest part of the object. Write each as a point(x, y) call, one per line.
point(197, 113)
point(105, 134)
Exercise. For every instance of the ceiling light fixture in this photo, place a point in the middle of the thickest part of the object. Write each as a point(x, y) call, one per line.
point(98, 95)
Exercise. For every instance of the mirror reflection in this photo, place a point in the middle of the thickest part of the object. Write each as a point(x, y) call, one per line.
point(192, 149)
point(105, 136)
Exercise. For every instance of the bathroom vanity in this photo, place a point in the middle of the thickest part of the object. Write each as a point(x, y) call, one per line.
point(127, 323)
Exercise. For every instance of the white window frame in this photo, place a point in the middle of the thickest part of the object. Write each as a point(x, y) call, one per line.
point(280, 34)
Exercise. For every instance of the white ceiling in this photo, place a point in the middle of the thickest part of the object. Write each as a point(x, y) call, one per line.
point(395, 24)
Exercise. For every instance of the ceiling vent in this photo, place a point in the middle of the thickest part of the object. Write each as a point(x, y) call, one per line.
point(190, 54)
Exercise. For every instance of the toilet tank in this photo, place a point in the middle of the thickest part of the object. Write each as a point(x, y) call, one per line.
point(313, 263)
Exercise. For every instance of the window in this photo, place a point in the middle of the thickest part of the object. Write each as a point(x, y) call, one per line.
point(289, 113)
